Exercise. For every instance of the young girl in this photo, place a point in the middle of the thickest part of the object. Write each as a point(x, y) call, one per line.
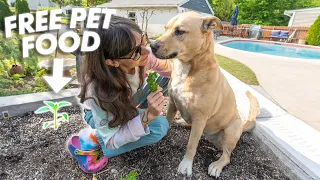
point(118, 104)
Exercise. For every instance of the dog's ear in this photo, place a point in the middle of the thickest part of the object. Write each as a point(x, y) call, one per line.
point(210, 23)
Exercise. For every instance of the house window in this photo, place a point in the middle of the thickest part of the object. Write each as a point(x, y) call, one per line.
point(68, 11)
point(132, 16)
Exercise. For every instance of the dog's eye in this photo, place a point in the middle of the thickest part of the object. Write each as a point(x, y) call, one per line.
point(179, 32)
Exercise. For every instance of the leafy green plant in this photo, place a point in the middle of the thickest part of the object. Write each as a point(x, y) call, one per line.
point(53, 107)
point(153, 86)
point(17, 77)
point(157, 36)
point(42, 72)
point(10, 49)
point(5, 12)
point(313, 36)
point(131, 176)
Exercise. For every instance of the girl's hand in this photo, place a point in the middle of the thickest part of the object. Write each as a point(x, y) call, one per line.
point(155, 104)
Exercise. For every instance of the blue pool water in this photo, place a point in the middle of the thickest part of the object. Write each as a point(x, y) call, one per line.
point(275, 49)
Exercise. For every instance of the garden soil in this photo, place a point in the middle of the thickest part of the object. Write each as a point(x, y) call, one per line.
point(29, 152)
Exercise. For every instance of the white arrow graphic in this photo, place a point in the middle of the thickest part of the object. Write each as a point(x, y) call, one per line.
point(57, 81)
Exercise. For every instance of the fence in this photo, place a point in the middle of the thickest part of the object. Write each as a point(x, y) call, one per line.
point(242, 31)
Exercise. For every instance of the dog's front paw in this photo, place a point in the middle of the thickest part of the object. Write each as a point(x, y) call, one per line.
point(185, 167)
point(215, 169)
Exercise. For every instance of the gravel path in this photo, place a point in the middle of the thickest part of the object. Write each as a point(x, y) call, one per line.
point(28, 152)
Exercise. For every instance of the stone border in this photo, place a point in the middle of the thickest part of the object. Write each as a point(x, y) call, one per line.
point(20, 104)
point(295, 143)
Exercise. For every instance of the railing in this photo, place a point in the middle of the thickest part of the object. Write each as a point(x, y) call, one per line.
point(242, 31)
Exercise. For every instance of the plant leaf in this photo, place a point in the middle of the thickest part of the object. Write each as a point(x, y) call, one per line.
point(64, 117)
point(42, 110)
point(49, 103)
point(64, 103)
point(47, 124)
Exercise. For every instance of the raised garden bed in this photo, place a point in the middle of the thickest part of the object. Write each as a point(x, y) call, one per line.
point(29, 152)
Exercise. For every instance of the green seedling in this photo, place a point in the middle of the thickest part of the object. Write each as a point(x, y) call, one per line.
point(153, 86)
point(131, 176)
point(53, 107)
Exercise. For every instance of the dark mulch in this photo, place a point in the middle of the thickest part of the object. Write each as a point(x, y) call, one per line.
point(28, 152)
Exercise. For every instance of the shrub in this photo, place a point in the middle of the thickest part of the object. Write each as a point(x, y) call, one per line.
point(22, 7)
point(313, 37)
point(5, 12)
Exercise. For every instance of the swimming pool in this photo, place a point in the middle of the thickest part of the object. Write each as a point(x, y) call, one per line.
point(275, 48)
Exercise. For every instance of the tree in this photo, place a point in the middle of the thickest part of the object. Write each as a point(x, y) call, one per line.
point(90, 3)
point(261, 12)
point(223, 9)
point(5, 12)
point(145, 15)
point(22, 7)
point(313, 36)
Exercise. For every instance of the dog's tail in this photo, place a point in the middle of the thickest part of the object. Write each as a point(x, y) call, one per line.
point(253, 112)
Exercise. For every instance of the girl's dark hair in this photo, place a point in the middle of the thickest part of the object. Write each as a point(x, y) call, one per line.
point(110, 86)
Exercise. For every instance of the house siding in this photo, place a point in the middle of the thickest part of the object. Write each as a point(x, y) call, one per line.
point(34, 4)
point(156, 22)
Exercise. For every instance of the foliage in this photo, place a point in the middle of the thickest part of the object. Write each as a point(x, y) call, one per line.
point(90, 3)
point(47, 8)
point(5, 12)
point(152, 85)
point(10, 49)
point(157, 36)
point(41, 86)
point(223, 9)
point(131, 176)
point(57, 117)
point(18, 77)
point(22, 7)
point(313, 36)
point(261, 12)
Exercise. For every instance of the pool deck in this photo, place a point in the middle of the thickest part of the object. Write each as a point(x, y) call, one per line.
point(292, 83)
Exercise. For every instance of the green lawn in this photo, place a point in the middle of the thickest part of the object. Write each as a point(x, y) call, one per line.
point(237, 69)
point(65, 20)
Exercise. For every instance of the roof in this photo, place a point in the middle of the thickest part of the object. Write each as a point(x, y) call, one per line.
point(142, 3)
point(198, 5)
point(305, 9)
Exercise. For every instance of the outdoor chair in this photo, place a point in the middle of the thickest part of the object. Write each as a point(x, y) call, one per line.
point(292, 37)
point(278, 34)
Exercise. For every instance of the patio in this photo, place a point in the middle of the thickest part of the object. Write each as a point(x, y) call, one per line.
point(289, 82)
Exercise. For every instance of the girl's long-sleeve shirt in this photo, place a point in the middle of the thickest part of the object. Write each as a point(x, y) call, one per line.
point(114, 138)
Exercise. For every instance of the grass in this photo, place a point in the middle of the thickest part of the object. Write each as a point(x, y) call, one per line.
point(237, 69)
point(65, 20)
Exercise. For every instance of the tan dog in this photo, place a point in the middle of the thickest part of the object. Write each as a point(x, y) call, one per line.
point(199, 90)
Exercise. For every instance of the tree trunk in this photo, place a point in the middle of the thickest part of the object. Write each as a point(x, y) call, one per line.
point(147, 18)
point(143, 15)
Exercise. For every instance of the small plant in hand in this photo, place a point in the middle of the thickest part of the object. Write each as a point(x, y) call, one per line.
point(57, 117)
point(153, 86)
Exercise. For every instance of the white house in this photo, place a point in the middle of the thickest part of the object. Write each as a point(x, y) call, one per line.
point(302, 17)
point(158, 12)
point(35, 4)
point(11, 2)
